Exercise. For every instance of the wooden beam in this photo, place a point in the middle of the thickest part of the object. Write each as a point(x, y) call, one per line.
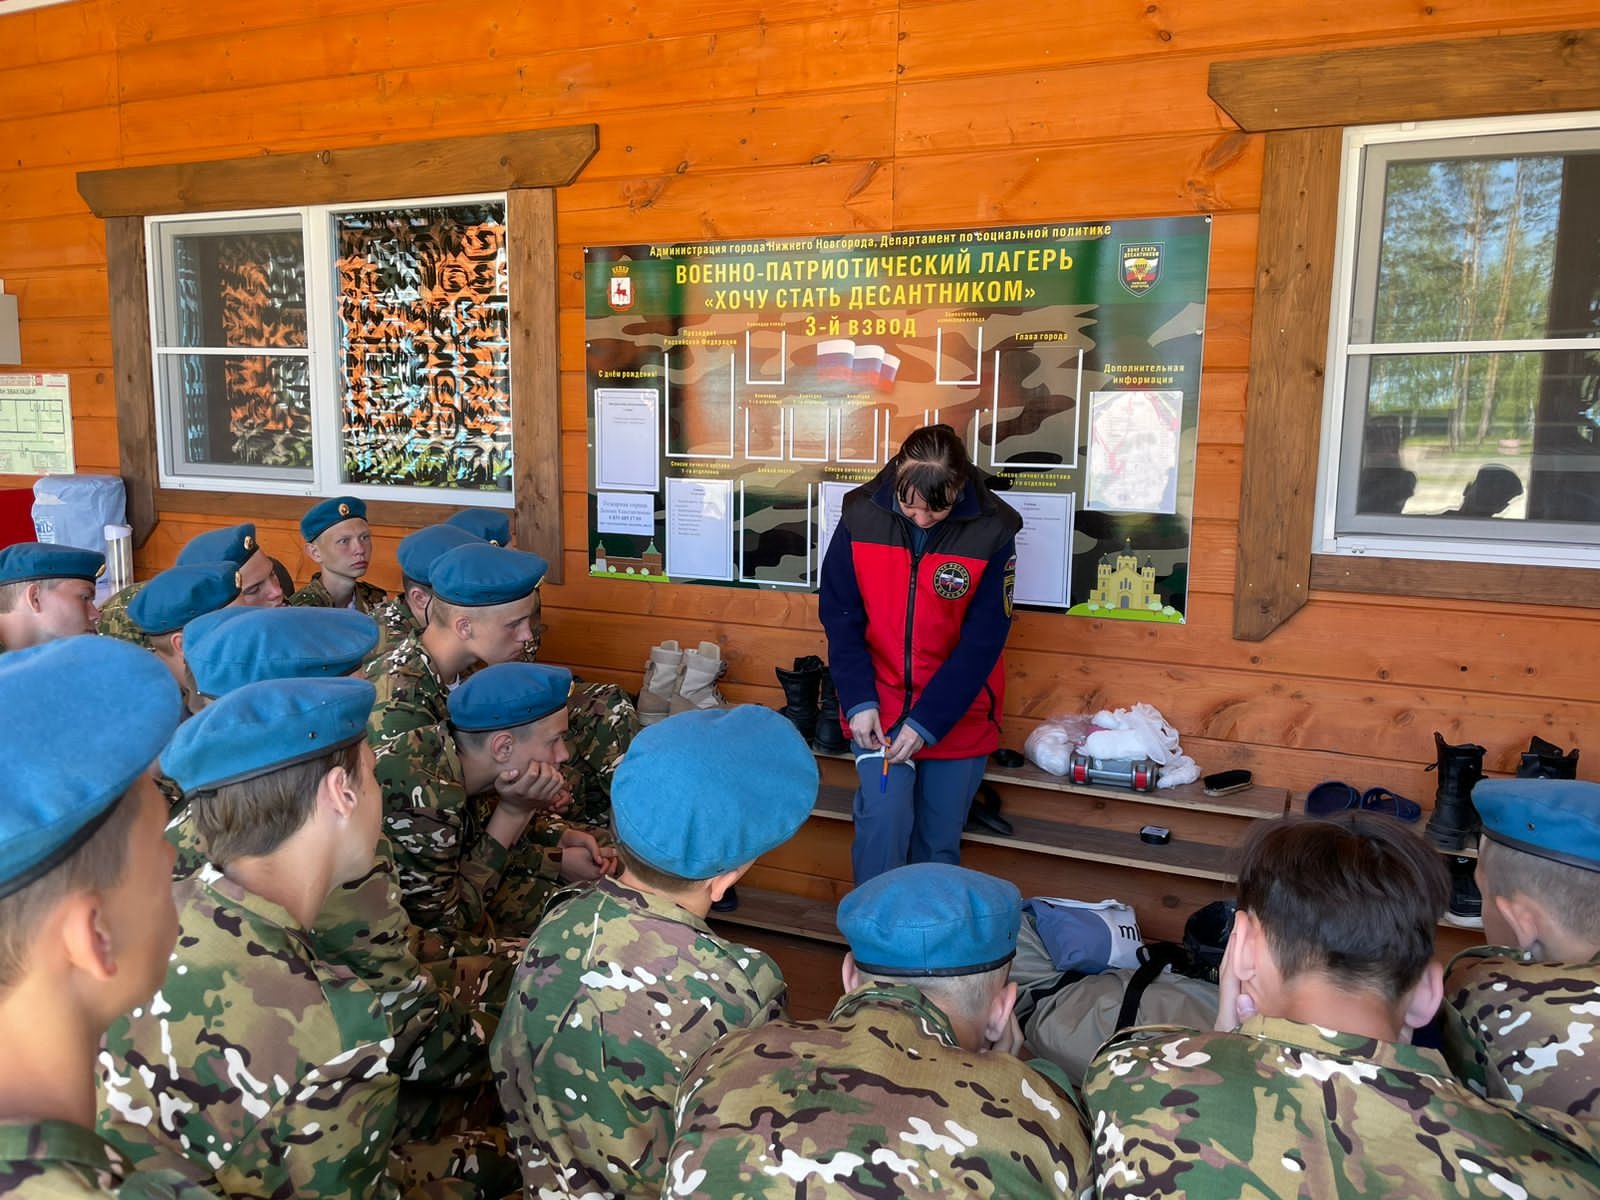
point(536, 158)
point(1422, 81)
point(135, 385)
point(1288, 349)
point(254, 506)
point(1506, 583)
point(535, 374)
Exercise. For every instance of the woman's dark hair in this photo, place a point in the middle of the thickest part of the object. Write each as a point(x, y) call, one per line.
point(1354, 897)
point(933, 464)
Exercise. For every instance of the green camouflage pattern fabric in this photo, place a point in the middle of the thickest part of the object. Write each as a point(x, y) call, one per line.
point(618, 992)
point(56, 1160)
point(1281, 1108)
point(878, 1101)
point(395, 624)
point(369, 598)
point(258, 1067)
point(1526, 1031)
point(114, 619)
point(601, 725)
point(450, 869)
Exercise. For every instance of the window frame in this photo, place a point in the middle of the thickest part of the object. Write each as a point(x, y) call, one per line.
point(1454, 539)
point(1302, 103)
point(315, 223)
point(526, 165)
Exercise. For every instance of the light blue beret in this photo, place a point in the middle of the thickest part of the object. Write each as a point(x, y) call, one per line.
point(324, 516)
point(1558, 819)
point(703, 792)
point(68, 761)
point(235, 544)
point(509, 694)
point(931, 919)
point(264, 727)
point(180, 594)
point(233, 647)
point(27, 561)
point(478, 575)
point(418, 551)
point(493, 525)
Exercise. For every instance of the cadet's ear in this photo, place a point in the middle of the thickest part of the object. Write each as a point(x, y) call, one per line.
point(997, 1019)
point(1423, 1000)
point(314, 554)
point(177, 643)
point(848, 974)
point(1526, 918)
point(719, 884)
point(463, 627)
point(86, 936)
point(33, 596)
point(1247, 944)
point(501, 743)
point(337, 792)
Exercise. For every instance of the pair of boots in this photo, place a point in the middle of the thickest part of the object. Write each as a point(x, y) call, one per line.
point(812, 705)
point(1455, 825)
point(678, 680)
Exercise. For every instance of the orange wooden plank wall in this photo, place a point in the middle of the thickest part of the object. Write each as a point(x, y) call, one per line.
point(731, 118)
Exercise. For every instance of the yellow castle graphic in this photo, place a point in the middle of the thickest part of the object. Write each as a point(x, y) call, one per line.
point(1124, 583)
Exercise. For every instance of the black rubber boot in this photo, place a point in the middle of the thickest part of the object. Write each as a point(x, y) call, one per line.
point(1546, 760)
point(828, 737)
point(984, 815)
point(1454, 823)
point(729, 901)
point(800, 688)
point(1466, 901)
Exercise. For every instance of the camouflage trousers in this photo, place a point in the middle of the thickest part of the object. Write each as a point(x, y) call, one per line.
point(601, 725)
point(460, 1166)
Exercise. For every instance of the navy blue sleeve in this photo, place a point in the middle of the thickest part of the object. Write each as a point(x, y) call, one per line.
point(844, 619)
point(984, 630)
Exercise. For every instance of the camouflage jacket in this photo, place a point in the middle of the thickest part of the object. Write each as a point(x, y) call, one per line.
point(395, 624)
point(1526, 1031)
point(368, 598)
point(1286, 1109)
point(449, 865)
point(53, 1160)
point(257, 1066)
point(879, 1100)
point(619, 990)
point(114, 619)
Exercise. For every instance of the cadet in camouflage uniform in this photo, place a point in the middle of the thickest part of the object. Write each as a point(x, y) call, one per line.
point(1316, 1093)
point(623, 983)
point(170, 601)
point(910, 1087)
point(339, 541)
point(258, 583)
point(81, 864)
point(258, 1064)
point(442, 1001)
point(46, 592)
point(1522, 1018)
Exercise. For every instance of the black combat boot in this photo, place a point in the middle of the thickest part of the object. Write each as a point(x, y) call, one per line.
point(800, 687)
point(1466, 901)
point(1454, 824)
point(1546, 760)
point(829, 737)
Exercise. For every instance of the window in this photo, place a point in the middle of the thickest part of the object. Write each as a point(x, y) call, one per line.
point(1463, 399)
point(360, 349)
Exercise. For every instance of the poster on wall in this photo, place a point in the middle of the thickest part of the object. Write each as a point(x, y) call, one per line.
point(36, 424)
point(737, 391)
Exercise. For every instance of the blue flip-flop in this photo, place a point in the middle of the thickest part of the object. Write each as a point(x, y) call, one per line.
point(1381, 799)
point(1332, 796)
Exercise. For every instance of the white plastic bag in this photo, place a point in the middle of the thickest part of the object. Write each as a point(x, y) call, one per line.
point(1049, 747)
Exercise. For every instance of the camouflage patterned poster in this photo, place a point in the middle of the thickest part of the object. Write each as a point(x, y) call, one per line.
point(738, 390)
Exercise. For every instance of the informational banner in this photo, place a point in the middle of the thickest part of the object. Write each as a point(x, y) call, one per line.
point(739, 390)
point(35, 425)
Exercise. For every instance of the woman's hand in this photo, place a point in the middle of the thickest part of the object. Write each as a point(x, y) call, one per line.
point(866, 729)
point(906, 743)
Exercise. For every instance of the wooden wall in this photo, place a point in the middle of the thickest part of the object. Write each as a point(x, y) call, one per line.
point(731, 118)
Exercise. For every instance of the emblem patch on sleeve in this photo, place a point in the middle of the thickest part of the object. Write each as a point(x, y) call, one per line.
point(951, 580)
point(1010, 583)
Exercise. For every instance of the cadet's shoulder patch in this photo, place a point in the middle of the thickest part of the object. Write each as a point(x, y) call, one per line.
point(951, 580)
point(1010, 583)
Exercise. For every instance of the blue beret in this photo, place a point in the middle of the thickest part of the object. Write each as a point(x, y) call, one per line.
point(233, 647)
point(235, 545)
point(330, 512)
point(509, 694)
point(931, 919)
point(69, 761)
point(478, 575)
point(27, 561)
point(418, 551)
point(264, 727)
point(493, 525)
point(180, 594)
point(1558, 819)
point(703, 792)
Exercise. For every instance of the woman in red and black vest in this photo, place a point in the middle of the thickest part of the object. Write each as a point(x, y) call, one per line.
point(916, 602)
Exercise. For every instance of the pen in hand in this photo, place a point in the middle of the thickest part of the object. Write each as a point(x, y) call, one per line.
point(883, 780)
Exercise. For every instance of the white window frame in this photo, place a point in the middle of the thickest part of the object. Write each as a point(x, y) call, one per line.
point(316, 224)
point(1481, 541)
